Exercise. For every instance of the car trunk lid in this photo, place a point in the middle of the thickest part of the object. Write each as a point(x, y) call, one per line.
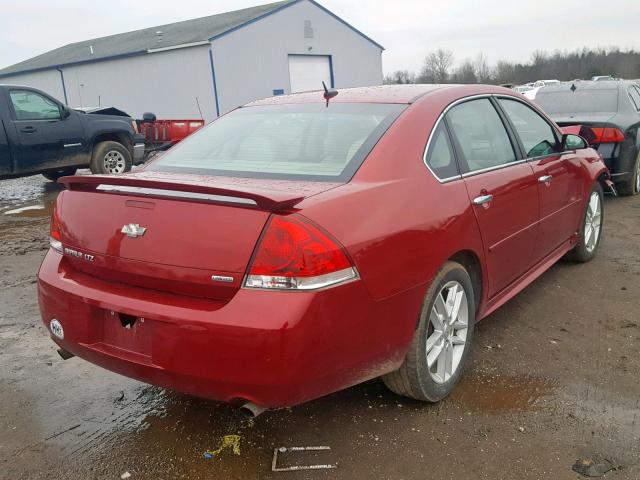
point(182, 234)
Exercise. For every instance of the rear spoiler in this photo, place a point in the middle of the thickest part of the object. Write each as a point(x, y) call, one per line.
point(270, 200)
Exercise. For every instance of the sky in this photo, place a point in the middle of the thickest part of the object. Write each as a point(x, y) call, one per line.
point(408, 29)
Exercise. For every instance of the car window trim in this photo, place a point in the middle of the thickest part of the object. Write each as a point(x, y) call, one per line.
point(518, 147)
point(440, 119)
point(511, 130)
point(554, 129)
point(633, 102)
point(42, 94)
point(463, 167)
point(425, 156)
point(496, 167)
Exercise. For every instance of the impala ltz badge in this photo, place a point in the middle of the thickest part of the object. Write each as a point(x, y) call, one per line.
point(74, 253)
point(133, 230)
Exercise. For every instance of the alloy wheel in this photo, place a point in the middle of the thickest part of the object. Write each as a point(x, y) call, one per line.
point(114, 162)
point(447, 333)
point(593, 221)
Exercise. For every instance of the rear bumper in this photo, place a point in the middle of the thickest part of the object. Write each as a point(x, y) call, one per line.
point(271, 348)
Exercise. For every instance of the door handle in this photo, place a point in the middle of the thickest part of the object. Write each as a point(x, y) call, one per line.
point(482, 199)
point(28, 130)
point(545, 179)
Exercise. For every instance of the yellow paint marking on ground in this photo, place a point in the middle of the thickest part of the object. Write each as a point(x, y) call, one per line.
point(228, 441)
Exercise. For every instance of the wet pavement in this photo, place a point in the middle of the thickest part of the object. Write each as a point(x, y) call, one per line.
point(553, 378)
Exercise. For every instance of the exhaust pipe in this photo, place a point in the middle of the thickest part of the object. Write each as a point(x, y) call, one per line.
point(252, 410)
point(65, 355)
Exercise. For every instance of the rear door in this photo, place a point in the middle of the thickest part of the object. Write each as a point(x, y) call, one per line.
point(45, 139)
point(559, 175)
point(502, 189)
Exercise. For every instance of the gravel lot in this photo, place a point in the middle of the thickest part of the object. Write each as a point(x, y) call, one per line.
point(553, 378)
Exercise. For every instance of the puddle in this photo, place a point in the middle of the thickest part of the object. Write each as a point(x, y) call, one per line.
point(499, 394)
point(29, 211)
point(30, 197)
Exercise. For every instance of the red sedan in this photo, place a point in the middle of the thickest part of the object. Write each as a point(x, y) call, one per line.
point(298, 246)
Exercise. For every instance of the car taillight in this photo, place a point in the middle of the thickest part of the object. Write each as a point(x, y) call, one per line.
point(134, 124)
point(295, 254)
point(55, 237)
point(606, 135)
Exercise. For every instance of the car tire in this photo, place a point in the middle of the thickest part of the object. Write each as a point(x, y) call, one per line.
point(632, 185)
point(110, 158)
point(591, 224)
point(54, 176)
point(421, 375)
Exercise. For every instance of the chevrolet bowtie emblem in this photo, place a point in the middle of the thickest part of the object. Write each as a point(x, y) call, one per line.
point(133, 230)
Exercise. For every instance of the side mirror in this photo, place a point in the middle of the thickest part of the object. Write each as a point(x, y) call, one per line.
point(64, 111)
point(573, 142)
point(148, 117)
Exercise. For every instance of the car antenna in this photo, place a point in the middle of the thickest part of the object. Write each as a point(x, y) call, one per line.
point(329, 94)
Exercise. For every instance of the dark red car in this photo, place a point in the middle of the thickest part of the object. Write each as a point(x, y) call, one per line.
point(293, 248)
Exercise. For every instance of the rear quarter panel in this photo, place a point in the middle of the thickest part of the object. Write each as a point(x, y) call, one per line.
point(398, 223)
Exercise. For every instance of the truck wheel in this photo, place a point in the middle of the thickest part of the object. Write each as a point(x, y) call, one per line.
point(441, 343)
point(110, 157)
point(590, 229)
point(54, 176)
point(632, 185)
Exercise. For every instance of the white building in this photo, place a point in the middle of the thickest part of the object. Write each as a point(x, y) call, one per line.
point(210, 65)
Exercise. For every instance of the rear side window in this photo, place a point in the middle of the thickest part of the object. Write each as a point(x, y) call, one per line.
point(582, 100)
point(288, 141)
point(635, 97)
point(481, 135)
point(29, 105)
point(535, 133)
point(440, 158)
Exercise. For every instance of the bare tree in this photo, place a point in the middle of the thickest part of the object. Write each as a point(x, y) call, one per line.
point(436, 67)
point(482, 69)
point(400, 77)
point(465, 73)
point(504, 72)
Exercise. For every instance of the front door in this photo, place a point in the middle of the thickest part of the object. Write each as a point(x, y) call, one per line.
point(558, 174)
point(44, 138)
point(503, 191)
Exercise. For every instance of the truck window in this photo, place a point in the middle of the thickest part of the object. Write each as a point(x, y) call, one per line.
point(29, 105)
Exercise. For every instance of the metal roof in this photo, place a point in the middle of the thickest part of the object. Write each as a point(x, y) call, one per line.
point(162, 37)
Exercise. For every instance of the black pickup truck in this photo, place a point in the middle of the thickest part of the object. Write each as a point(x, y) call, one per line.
point(39, 134)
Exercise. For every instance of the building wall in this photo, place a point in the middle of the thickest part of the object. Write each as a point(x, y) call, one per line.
point(165, 83)
point(48, 81)
point(253, 61)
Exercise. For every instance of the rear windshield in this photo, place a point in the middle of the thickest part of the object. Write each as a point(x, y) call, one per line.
point(581, 101)
point(297, 142)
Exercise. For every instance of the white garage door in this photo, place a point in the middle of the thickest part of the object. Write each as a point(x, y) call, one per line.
point(307, 72)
